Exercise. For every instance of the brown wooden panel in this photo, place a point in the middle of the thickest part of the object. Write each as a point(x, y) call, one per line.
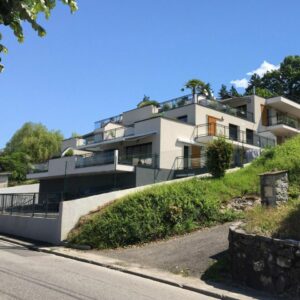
point(196, 156)
point(212, 125)
point(264, 115)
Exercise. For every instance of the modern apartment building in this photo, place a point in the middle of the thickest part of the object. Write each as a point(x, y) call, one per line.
point(157, 143)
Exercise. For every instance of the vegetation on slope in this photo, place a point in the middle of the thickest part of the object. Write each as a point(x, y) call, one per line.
point(177, 208)
point(278, 222)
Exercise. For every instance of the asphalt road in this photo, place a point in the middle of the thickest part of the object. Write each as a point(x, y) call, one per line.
point(26, 274)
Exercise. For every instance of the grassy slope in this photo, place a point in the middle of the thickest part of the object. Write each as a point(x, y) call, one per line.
point(178, 208)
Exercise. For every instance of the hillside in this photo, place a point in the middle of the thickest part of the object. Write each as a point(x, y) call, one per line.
point(177, 208)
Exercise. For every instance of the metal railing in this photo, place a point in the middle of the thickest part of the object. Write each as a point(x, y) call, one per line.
point(115, 119)
point(190, 162)
point(281, 119)
point(39, 168)
point(31, 204)
point(141, 160)
point(216, 105)
point(250, 138)
point(176, 102)
point(99, 159)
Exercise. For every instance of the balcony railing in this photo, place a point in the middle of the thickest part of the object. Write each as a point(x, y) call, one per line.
point(91, 160)
point(176, 102)
point(250, 138)
point(143, 160)
point(110, 134)
point(216, 105)
point(31, 204)
point(283, 120)
point(190, 162)
point(116, 120)
point(39, 168)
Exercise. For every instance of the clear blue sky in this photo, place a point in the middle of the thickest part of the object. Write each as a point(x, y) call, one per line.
point(103, 59)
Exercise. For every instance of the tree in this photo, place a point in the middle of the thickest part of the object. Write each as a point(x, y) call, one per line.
point(218, 154)
point(197, 86)
point(282, 82)
point(223, 93)
point(35, 141)
point(233, 92)
point(14, 12)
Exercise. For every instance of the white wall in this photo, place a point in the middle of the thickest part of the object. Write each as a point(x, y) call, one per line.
point(29, 188)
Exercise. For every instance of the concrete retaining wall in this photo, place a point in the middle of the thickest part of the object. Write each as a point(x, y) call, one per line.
point(57, 229)
point(265, 263)
point(40, 229)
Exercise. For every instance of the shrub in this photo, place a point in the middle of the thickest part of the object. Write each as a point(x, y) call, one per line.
point(147, 103)
point(219, 154)
point(70, 152)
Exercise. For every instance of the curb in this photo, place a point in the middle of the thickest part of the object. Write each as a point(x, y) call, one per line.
point(214, 294)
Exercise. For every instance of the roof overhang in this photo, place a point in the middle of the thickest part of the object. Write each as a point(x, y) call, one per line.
point(95, 146)
point(284, 105)
point(283, 130)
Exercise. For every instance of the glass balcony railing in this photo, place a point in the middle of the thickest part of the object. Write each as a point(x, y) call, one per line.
point(175, 103)
point(116, 120)
point(143, 160)
point(39, 168)
point(284, 120)
point(92, 160)
point(233, 134)
point(216, 105)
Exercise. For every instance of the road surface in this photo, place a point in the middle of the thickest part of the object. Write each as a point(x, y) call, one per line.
point(26, 274)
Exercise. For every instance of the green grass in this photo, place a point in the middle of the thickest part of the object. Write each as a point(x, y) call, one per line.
point(177, 208)
point(280, 222)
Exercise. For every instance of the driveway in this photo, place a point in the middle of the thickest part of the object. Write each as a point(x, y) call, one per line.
point(189, 255)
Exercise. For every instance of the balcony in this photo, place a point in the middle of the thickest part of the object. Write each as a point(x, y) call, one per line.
point(116, 120)
point(109, 135)
point(216, 105)
point(283, 124)
point(40, 168)
point(207, 132)
point(175, 103)
point(91, 160)
point(94, 163)
point(142, 160)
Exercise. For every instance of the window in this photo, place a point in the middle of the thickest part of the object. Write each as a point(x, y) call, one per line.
point(233, 132)
point(183, 118)
point(139, 150)
point(249, 136)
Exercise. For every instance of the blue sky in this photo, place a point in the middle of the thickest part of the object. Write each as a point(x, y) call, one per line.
point(103, 59)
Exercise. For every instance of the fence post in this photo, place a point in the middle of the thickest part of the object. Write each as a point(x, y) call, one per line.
point(46, 210)
point(11, 204)
point(33, 204)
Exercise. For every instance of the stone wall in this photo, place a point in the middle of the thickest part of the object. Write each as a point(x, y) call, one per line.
point(274, 187)
point(265, 263)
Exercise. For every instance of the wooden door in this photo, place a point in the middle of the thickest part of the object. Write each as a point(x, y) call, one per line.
point(264, 115)
point(212, 125)
point(196, 157)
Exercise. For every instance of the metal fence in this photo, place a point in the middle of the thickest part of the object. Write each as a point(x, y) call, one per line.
point(31, 204)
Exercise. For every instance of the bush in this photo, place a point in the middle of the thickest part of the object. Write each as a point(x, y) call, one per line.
point(147, 103)
point(70, 152)
point(219, 154)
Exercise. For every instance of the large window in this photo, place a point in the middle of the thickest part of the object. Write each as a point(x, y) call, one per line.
point(139, 150)
point(183, 118)
point(233, 132)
